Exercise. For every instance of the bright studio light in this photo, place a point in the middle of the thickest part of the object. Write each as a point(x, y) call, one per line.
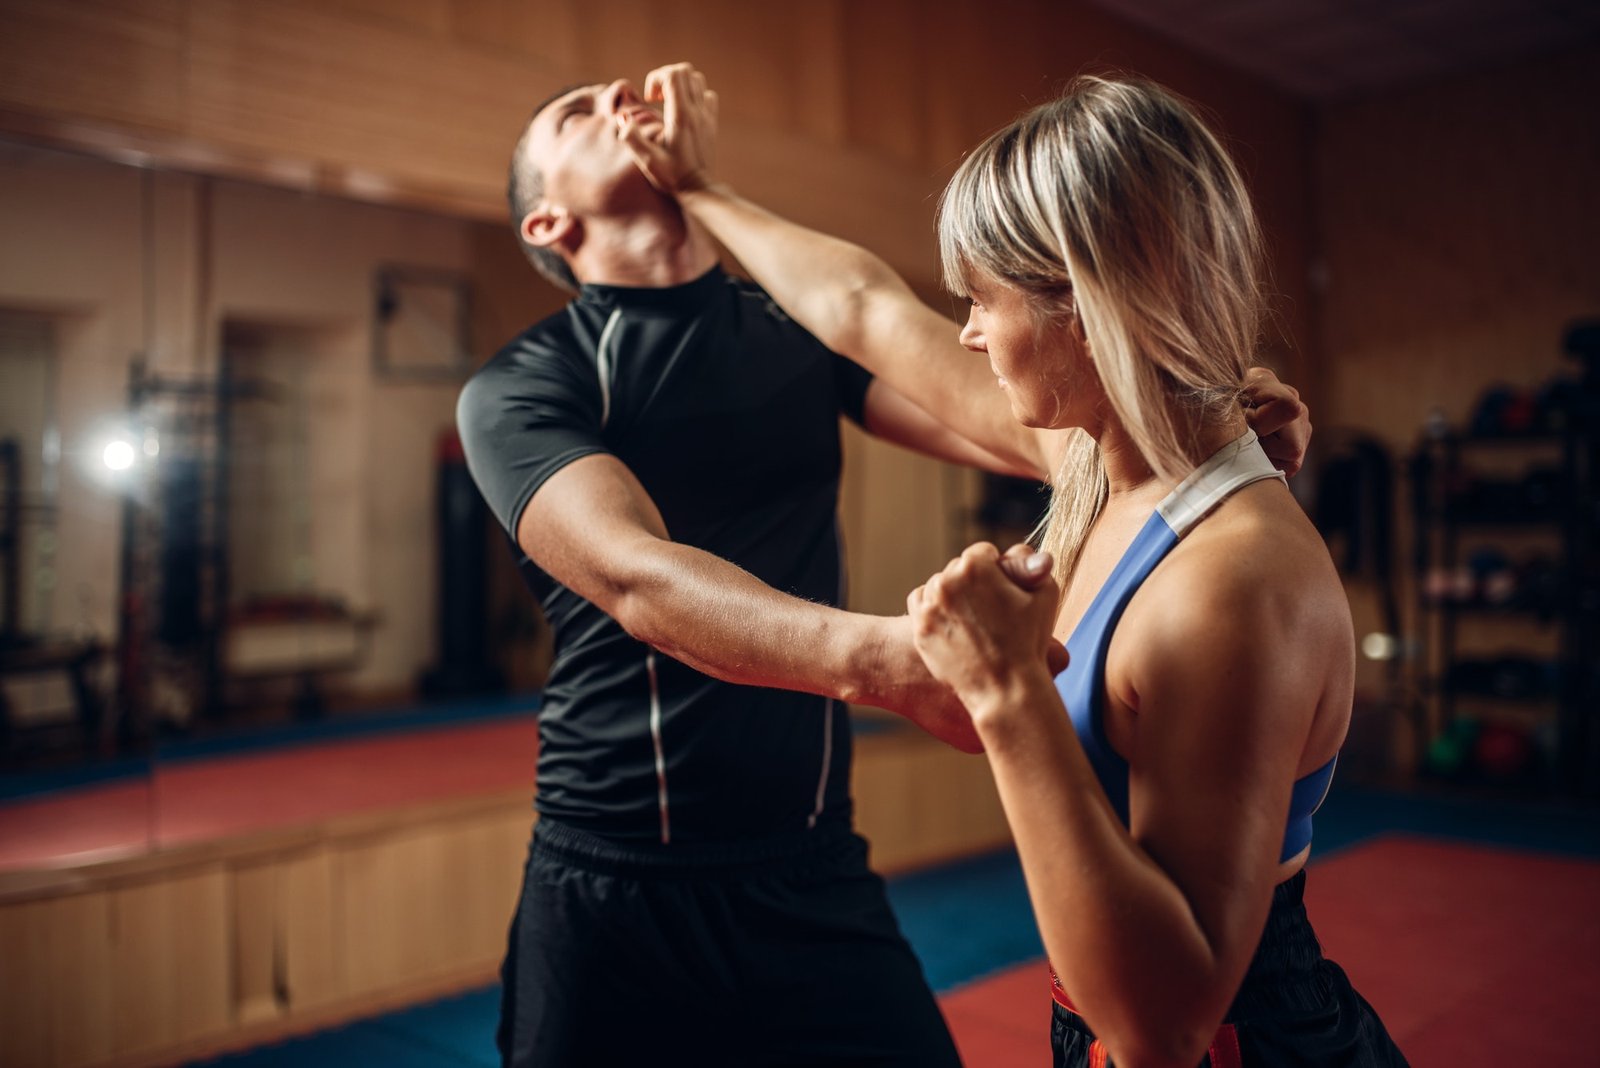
point(1380, 647)
point(118, 455)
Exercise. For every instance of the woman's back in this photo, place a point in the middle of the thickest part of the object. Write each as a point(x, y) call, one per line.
point(1253, 577)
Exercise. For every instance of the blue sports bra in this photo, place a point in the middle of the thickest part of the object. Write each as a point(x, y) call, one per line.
point(1082, 684)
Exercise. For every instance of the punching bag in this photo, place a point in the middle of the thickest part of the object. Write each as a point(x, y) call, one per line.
point(179, 481)
point(463, 568)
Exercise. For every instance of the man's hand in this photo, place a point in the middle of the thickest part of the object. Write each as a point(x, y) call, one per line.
point(907, 689)
point(1275, 412)
point(978, 630)
point(677, 157)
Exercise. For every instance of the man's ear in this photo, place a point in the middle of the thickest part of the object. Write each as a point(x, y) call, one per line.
point(546, 225)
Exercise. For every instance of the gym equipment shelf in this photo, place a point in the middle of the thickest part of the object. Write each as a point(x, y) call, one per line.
point(1507, 549)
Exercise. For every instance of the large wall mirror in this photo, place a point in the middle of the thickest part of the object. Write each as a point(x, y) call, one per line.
point(222, 525)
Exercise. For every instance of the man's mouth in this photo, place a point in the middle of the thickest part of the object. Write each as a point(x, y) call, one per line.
point(639, 113)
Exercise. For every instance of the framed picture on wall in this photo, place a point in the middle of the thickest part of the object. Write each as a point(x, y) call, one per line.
point(421, 323)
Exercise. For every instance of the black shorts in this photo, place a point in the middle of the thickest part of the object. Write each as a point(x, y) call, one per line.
point(1294, 1007)
point(783, 953)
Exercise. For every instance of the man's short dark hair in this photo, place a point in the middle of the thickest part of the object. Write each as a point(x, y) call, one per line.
point(524, 187)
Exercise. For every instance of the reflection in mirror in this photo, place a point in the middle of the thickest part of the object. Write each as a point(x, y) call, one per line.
point(55, 664)
point(49, 672)
point(292, 454)
point(29, 453)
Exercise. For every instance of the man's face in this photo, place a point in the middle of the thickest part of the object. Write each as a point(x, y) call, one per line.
point(574, 144)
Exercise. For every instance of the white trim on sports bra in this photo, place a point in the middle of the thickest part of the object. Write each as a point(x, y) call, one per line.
point(1232, 467)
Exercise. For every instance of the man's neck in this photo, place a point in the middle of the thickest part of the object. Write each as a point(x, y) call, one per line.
point(651, 250)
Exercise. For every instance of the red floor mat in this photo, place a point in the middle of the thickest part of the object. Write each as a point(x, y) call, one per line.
point(203, 799)
point(1472, 956)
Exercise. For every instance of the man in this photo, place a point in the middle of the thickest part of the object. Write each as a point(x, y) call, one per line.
point(666, 452)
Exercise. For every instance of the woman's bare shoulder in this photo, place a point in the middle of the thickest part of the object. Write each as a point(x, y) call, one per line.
point(1258, 557)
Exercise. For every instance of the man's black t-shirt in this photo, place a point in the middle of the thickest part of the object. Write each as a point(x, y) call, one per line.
point(727, 412)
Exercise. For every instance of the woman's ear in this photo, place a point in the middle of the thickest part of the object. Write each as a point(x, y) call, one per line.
point(546, 225)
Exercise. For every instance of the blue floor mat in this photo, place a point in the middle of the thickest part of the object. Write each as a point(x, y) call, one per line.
point(967, 920)
point(454, 1032)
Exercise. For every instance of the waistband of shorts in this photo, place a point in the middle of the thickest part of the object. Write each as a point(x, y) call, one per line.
point(821, 846)
point(1288, 973)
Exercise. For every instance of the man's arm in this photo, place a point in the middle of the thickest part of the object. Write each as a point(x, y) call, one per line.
point(593, 528)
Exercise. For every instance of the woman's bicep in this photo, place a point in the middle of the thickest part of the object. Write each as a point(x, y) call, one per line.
point(1222, 716)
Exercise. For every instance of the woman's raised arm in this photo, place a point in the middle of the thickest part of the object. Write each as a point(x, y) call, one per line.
point(846, 296)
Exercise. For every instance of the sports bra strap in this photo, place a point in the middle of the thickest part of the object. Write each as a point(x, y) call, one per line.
point(1233, 467)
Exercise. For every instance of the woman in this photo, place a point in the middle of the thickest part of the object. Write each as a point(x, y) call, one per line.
point(1161, 788)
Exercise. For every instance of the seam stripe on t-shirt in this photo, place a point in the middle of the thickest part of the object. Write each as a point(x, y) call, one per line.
point(602, 362)
point(661, 755)
point(827, 762)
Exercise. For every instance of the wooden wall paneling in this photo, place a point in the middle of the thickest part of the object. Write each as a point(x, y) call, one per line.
point(821, 101)
point(431, 18)
point(257, 916)
point(302, 82)
point(886, 75)
point(746, 49)
point(903, 511)
point(400, 920)
point(443, 874)
point(492, 854)
point(95, 59)
point(199, 944)
point(883, 787)
point(79, 978)
point(55, 981)
point(142, 941)
point(369, 925)
point(508, 295)
point(1459, 231)
point(308, 946)
point(757, 55)
point(547, 30)
point(448, 859)
point(920, 802)
point(24, 998)
point(621, 38)
point(959, 810)
point(170, 952)
point(983, 71)
point(176, 955)
point(856, 194)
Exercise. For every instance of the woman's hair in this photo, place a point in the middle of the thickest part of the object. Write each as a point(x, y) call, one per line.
point(1114, 204)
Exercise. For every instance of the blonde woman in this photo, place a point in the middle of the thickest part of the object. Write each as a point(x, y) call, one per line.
point(1161, 788)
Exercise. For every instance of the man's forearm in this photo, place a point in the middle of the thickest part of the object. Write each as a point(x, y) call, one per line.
point(720, 619)
point(723, 621)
